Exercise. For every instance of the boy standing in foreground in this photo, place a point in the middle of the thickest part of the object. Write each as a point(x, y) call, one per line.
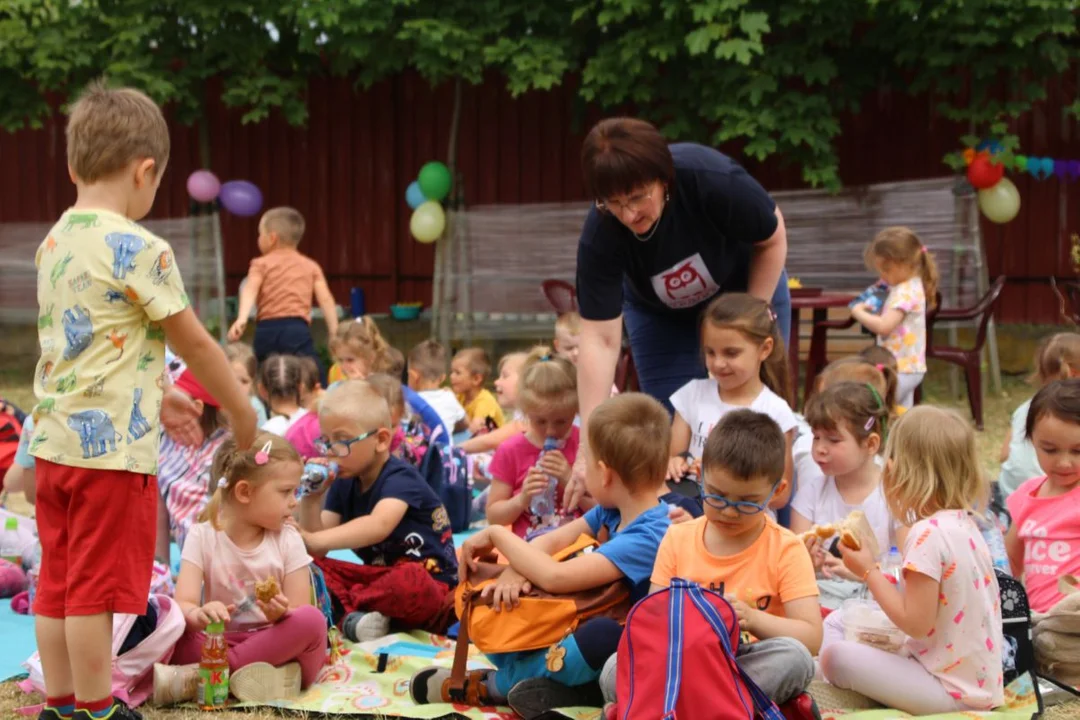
point(109, 295)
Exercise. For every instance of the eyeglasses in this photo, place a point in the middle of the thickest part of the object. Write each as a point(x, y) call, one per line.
point(631, 205)
point(743, 507)
point(339, 448)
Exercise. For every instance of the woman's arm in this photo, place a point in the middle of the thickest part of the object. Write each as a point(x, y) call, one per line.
point(490, 441)
point(601, 342)
point(767, 262)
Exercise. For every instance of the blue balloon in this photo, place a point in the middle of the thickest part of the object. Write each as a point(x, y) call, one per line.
point(414, 196)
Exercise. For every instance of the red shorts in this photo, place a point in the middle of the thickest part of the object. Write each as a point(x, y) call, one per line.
point(97, 531)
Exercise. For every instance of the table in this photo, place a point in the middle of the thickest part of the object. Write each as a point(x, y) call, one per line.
point(819, 303)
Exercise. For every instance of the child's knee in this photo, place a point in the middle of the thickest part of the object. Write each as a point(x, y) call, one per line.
point(795, 657)
point(836, 663)
point(308, 620)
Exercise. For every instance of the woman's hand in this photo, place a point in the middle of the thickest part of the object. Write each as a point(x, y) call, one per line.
point(859, 562)
point(575, 490)
point(506, 590)
point(277, 608)
point(554, 463)
point(677, 468)
point(199, 617)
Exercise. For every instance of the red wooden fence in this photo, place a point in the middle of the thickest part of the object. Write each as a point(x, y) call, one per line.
point(347, 170)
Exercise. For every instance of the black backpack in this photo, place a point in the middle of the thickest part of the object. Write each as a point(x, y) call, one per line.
point(1018, 654)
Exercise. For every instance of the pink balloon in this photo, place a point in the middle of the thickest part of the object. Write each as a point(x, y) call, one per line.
point(203, 186)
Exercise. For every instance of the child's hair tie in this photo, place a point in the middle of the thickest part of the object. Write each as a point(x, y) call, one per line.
point(222, 482)
point(922, 249)
point(545, 357)
point(880, 367)
point(772, 313)
point(263, 456)
point(869, 424)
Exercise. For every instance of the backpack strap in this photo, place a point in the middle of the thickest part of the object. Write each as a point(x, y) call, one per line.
point(764, 707)
point(675, 651)
point(461, 651)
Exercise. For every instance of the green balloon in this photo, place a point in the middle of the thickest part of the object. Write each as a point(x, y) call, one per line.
point(1020, 162)
point(434, 181)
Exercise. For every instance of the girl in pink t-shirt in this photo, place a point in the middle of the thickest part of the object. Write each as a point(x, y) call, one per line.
point(231, 566)
point(547, 395)
point(947, 603)
point(1044, 540)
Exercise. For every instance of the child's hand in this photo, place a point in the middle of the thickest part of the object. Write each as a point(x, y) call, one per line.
point(859, 562)
point(554, 463)
point(477, 426)
point(746, 614)
point(677, 468)
point(535, 483)
point(214, 611)
point(325, 462)
point(575, 492)
point(817, 552)
point(506, 590)
point(476, 546)
point(833, 569)
point(180, 418)
point(237, 329)
point(277, 608)
point(678, 515)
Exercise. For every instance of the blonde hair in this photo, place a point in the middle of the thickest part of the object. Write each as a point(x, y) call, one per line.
point(359, 401)
point(476, 359)
point(901, 246)
point(757, 322)
point(1057, 358)
point(520, 356)
point(109, 128)
point(631, 434)
point(428, 359)
point(569, 322)
point(934, 464)
point(232, 465)
point(242, 353)
point(362, 336)
point(547, 381)
point(859, 370)
point(286, 222)
point(390, 388)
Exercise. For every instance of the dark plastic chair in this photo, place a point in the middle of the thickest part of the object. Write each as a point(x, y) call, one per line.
point(560, 294)
point(970, 359)
point(1068, 295)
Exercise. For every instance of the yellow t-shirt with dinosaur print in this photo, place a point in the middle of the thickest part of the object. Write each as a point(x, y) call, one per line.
point(104, 284)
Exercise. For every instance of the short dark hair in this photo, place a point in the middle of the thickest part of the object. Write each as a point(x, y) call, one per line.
point(1060, 398)
point(428, 358)
point(621, 154)
point(748, 445)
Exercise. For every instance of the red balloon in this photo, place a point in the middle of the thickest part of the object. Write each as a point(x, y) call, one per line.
point(984, 173)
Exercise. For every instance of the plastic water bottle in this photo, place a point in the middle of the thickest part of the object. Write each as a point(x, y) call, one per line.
point(214, 668)
point(893, 567)
point(542, 504)
point(10, 548)
point(315, 476)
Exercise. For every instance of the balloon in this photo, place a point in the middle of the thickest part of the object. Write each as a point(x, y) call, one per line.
point(1074, 170)
point(984, 173)
point(434, 180)
point(414, 196)
point(1046, 168)
point(427, 222)
point(1061, 167)
point(241, 198)
point(1000, 203)
point(203, 186)
point(1020, 162)
point(1033, 165)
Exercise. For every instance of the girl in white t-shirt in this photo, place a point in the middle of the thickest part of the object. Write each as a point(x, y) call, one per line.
point(849, 421)
point(747, 366)
point(280, 380)
point(246, 567)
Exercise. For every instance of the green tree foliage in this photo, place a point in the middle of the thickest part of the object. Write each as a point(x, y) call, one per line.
point(772, 75)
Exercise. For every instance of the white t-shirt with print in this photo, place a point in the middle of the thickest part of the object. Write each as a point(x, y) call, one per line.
point(699, 404)
point(280, 424)
point(446, 404)
point(819, 501)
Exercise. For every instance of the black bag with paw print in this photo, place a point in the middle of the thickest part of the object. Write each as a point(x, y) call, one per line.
point(1018, 655)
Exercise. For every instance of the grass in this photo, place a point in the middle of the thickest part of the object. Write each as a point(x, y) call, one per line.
point(997, 409)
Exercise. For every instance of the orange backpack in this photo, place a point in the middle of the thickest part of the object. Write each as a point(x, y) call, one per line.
point(541, 619)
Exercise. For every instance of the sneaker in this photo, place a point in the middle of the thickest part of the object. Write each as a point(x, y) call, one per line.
point(119, 711)
point(607, 680)
point(534, 697)
point(262, 682)
point(175, 684)
point(432, 685)
point(801, 707)
point(364, 626)
point(51, 713)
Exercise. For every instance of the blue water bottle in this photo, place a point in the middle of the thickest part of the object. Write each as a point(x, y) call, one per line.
point(542, 505)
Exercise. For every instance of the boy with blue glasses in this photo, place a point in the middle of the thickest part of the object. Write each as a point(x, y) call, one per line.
point(738, 550)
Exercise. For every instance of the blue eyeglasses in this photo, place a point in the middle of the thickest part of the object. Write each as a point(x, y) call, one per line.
point(743, 507)
point(339, 448)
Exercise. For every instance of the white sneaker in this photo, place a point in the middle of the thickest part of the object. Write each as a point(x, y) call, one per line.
point(364, 626)
point(607, 679)
point(262, 682)
point(175, 683)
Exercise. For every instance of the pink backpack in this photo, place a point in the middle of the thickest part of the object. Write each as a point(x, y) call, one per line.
point(685, 638)
point(132, 672)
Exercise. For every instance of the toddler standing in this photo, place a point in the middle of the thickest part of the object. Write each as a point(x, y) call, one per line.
point(904, 263)
point(281, 284)
point(948, 602)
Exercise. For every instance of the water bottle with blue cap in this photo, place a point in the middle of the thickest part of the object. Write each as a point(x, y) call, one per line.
point(542, 504)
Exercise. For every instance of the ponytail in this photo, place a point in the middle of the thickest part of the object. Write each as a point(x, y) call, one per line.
point(547, 380)
point(928, 271)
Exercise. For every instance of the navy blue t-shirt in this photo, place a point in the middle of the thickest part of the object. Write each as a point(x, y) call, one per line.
point(423, 535)
point(702, 244)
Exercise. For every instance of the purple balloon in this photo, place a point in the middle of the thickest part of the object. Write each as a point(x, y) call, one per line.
point(1060, 168)
point(1074, 170)
point(203, 186)
point(241, 198)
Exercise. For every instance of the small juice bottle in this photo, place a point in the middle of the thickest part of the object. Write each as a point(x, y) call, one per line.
point(214, 669)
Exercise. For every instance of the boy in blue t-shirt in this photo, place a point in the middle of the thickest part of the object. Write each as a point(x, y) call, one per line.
point(628, 441)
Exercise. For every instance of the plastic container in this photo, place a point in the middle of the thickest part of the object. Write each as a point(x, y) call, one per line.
point(405, 311)
point(865, 622)
point(542, 505)
point(893, 566)
point(315, 476)
point(214, 669)
point(10, 545)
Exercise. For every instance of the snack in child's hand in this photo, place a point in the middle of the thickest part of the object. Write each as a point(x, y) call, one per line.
point(267, 590)
point(854, 531)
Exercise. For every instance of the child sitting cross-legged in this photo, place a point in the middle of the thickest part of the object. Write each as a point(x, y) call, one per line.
point(628, 438)
point(737, 549)
point(379, 507)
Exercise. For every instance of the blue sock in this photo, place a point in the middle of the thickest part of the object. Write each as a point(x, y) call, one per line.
point(64, 706)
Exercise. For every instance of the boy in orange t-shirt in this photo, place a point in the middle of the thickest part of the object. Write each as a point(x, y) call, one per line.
point(736, 549)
